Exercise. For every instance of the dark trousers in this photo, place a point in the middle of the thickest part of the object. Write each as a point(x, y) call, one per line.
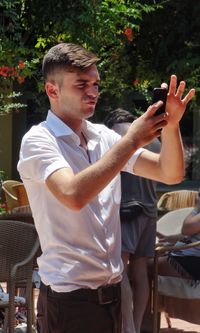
point(80, 311)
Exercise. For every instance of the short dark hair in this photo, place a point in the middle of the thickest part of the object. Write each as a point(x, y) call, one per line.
point(118, 116)
point(68, 57)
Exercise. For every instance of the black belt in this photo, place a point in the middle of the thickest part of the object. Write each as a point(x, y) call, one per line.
point(103, 295)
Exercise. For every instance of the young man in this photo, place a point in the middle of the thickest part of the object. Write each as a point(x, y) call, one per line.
point(71, 171)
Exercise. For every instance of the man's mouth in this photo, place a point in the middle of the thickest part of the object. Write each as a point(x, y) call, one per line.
point(91, 102)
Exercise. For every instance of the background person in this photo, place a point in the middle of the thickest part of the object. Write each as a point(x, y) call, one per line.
point(183, 263)
point(71, 171)
point(138, 228)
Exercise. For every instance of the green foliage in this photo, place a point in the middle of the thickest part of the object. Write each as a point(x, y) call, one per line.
point(143, 41)
point(139, 43)
point(169, 43)
point(98, 25)
point(12, 67)
point(9, 103)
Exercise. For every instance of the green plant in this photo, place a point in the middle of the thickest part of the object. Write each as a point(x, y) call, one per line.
point(13, 69)
point(9, 98)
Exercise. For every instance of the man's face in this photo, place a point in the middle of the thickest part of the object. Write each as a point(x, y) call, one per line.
point(76, 93)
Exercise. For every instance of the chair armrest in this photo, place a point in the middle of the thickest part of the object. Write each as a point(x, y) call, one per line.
point(27, 260)
point(10, 194)
point(12, 278)
point(160, 249)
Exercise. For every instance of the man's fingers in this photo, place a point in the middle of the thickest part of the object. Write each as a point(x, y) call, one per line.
point(180, 89)
point(189, 96)
point(151, 111)
point(173, 84)
point(154, 107)
point(159, 126)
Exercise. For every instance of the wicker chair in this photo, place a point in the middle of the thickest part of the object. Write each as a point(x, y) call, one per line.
point(18, 216)
point(19, 245)
point(21, 194)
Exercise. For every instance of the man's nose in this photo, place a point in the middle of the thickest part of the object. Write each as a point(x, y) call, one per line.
point(93, 91)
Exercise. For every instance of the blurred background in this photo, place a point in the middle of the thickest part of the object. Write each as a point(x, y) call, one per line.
point(139, 43)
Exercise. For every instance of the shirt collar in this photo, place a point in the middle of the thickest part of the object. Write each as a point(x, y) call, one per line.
point(60, 129)
point(57, 126)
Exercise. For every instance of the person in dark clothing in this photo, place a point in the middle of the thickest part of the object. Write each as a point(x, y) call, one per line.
point(138, 212)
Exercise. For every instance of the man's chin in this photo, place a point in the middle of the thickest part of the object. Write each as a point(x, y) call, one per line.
point(89, 112)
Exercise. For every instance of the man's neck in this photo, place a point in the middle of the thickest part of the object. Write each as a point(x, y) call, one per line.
point(74, 124)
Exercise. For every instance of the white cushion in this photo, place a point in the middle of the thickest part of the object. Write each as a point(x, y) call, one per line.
point(178, 287)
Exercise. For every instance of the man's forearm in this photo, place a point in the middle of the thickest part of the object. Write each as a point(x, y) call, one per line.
point(172, 155)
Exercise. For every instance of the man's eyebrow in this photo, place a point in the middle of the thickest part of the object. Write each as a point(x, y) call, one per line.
point(85, 81)
point(81, 80)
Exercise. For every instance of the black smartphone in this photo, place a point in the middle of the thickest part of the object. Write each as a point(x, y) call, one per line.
point(160, 94)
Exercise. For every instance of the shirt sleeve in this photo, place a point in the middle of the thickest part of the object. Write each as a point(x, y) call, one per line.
point(131, 162)
point(39, 157)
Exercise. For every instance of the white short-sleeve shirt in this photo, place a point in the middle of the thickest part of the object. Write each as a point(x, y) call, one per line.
point(80, 249)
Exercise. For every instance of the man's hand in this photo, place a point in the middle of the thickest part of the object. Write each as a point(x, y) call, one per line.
point(168, 239)
point(147, 127)
point(176, 103)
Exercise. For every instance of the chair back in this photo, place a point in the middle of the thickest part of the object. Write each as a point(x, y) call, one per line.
point(18, 216)
point(10, 194)
point(177, 199)
point(171, 223)
point(19, 246)
point(18, 242)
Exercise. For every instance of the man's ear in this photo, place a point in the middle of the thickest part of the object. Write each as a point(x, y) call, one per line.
point(51, 90)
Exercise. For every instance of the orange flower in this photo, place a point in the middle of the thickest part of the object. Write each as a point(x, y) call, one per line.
point(7, 71)
point(11, 71)
point(135, 82)
point(20, 79)
point(21, 64)
point(128, 32)
point(4, 71)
